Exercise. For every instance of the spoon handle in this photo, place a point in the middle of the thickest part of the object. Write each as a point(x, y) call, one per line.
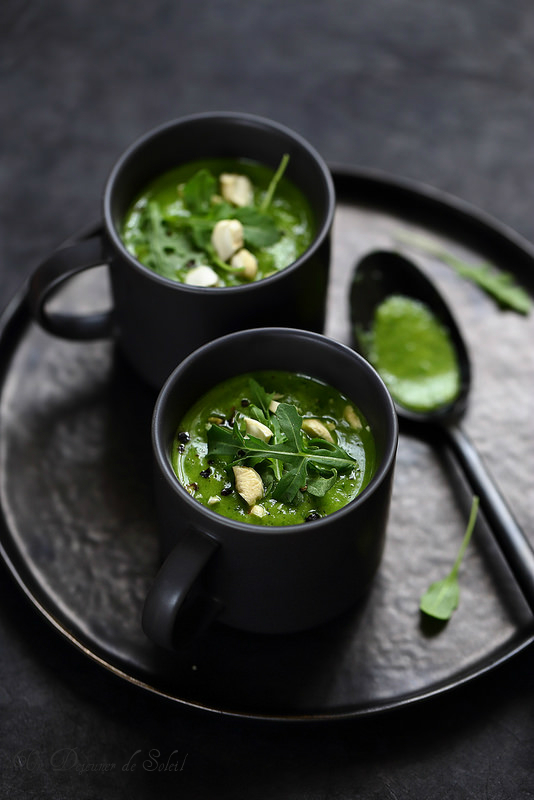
point(515, 547)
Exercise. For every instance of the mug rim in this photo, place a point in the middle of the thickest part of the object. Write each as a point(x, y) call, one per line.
point(164, 464)
point(236, 116)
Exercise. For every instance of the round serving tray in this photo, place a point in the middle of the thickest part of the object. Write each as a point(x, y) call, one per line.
point(78, 530)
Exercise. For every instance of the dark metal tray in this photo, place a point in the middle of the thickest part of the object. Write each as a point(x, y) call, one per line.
point(77, 526)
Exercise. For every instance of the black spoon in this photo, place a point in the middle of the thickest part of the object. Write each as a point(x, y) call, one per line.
point(379, 275)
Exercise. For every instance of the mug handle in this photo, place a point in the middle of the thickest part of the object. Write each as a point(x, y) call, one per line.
point(175, 610)
point(56, 270)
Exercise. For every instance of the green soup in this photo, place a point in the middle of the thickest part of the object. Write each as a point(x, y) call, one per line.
point(219, 222)
point(414, 354)
point(274, 448)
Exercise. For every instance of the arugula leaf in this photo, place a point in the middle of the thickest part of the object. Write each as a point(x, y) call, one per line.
point(223, 442)
point(259, 230)
point(327, 455)
point(291, 482)
point(290, 423)
point(442, 597)
point(260, 397)
point(278, 436)
point(499, 285)
point(275, 180)
point(291, 448)
point(199, 190)
point(170, 249)
point(318, 484)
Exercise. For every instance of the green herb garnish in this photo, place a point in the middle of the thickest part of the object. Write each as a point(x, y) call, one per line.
point(442, 597)
point(173, 241)
point(259, 229)
point(297, 462)
point(266, 202)
point(499, 285)
point(198, 191)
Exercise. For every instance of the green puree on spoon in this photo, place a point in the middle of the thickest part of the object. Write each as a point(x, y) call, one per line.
point(414, 354)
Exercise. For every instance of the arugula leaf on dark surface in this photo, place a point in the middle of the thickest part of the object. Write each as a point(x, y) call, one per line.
point(499, 285)
point(442, 597)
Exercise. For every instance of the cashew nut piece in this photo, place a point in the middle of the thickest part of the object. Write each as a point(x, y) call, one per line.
point(316, 428)
point(227, 237)
point(236, 189)
point(202, 276)
point(352, 418)
point(258, 429)
point(248, 484)
point(259, 511)
point(246, 262)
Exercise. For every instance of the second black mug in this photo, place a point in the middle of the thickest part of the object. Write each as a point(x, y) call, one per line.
point(157, 321)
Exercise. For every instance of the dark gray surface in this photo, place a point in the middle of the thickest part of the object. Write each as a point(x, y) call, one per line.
point(439, 93)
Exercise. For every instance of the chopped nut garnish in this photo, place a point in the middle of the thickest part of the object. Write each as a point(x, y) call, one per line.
point(236, 189)
point(201, 276)
point(258, 429)
point(227, 238)
point(246, 263)
point(352, 418)
point(314, 427)
point(248, 484)
point(259, 511)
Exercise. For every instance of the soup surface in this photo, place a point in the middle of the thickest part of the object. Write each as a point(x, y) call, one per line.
point(274, 448)
point(219, 222)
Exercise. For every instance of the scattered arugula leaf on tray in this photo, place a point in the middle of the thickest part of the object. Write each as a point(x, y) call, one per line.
point(499, 285)
point(442, 597)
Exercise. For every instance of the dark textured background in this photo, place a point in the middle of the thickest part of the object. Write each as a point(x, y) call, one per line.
point(443, 93)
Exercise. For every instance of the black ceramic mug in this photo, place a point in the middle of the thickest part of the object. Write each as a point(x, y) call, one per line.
point(158, 321)
point(265, 579)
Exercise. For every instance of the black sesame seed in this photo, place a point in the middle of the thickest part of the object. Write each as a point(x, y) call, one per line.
point(312, 516)
point(245, 402)
point(226, 490)
point(183, 436)
point(205, 473)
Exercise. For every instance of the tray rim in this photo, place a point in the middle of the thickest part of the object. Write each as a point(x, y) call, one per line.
point(14, 320)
